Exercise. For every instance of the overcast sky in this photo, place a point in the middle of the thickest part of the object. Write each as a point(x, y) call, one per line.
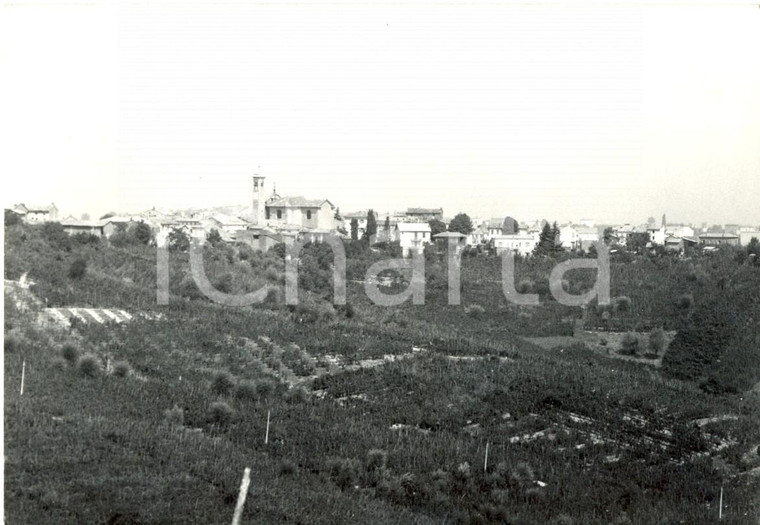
point(561, 110)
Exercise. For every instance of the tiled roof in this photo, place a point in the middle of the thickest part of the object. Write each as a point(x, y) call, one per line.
point(297, 202)
point(228, 220)
point(718, 236)
point(424, 211)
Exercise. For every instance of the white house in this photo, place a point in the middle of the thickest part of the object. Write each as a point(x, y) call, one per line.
point(225, 223)
point(361, 221)
point(36, 214)
point(520, 243)
point(587, 236)
point(317, 214)
point(412, 236)
point(568, 237)
point(679, 231)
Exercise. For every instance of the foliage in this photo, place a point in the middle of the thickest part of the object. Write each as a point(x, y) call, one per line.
point(122, 369)
point(607, 235)
point(70, 353)
point(78, 269)
point(637, 242)
point(461, 223)
point(11, 218)
point(548, 241)
point(142, 233)
point(89, 365)
point(213, 236)
point(630, 344)
point(371, 231)
point(657, 341)
point(436, 227)
point(174, 417)
point(85, 238)
point(622, 303)
point(376, 459)
point(432, 413)
point(220, 413)
point(56, 236)
point(222, 383)
point(510, 226)
point(354, 229)
point(179, 241)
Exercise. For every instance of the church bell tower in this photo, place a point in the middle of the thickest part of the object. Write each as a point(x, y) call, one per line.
point(258, 204)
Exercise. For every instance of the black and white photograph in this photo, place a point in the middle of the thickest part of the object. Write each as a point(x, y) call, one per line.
point(380, 262)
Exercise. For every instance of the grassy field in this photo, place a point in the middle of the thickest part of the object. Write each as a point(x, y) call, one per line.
point(154, 420)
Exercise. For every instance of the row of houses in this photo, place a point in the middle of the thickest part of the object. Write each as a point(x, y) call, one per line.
point(273, 219)
point(678, 237)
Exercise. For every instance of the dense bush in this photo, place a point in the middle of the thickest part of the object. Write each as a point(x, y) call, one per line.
point(11, 344)
point(89, 365)
point(344, 472)
point(622, 303)
point(376, 459)
point(56, 237)
point(70, 353)
point(220, 413)
point(246, 391)
point(296, 395)
point(78, 269)
point(657, 341)
point(629, 345)
point(121, 369)
point(222, 383)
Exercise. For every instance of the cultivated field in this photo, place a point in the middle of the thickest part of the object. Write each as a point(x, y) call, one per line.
point(486, 412)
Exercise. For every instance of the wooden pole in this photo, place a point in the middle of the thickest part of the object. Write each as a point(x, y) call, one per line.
point(720, 505)
point(266, 437)
point(485, 463)
point(241, 496)
point(23, 372)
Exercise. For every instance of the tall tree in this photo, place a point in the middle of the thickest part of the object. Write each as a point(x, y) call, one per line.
point(461, 223)
point(354, 229)
point(608, 234)
point(556, 242)
point(178, 240)
point(371, 226)
point(637, 242)
point(510, 226)
point(436, 227)
point(214, 237)
point(387, 225)
point(545, 244)
point(143, 233)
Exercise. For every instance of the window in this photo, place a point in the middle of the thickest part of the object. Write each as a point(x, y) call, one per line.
point(308, 214)
point(279, 214)
point(268, 214)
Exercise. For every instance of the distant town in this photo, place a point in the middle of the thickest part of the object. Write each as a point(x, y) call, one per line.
point(270, 219)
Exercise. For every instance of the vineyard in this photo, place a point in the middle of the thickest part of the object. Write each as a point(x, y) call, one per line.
point(484, 412)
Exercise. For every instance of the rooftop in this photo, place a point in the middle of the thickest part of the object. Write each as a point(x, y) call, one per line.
point(413, 227)
point(297, 202)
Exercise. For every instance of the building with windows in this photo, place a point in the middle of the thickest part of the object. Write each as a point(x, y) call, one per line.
point(519, 243)
point(423, 214)
point(34, 214)
point(412, 236)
